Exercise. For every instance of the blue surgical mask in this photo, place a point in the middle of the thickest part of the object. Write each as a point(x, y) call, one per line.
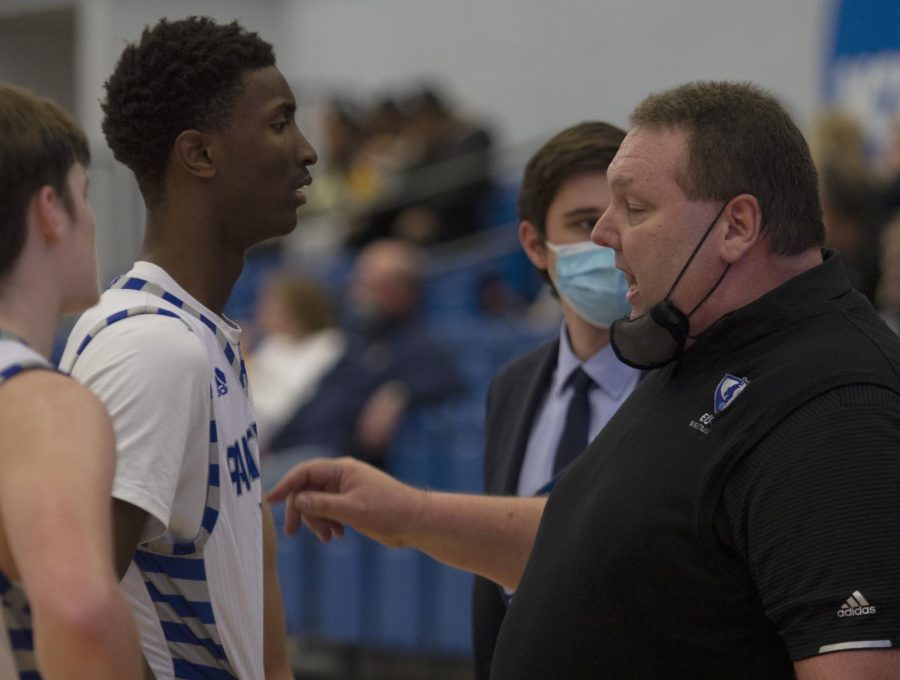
point(587, 278)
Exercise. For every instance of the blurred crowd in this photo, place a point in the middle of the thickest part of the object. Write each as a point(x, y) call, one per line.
point(861, 207)
point(408, 165)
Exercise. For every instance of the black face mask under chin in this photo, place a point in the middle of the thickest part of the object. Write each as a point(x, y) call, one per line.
point(657, 337)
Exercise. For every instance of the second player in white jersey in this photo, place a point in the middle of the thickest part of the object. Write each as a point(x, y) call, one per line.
point(171, 374)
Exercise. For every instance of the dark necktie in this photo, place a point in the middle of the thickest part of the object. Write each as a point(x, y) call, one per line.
point(574, 437)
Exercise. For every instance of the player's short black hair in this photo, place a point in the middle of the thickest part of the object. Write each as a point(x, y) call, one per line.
point(181, 75)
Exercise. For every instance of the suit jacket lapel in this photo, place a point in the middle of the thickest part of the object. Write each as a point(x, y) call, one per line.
point(523, 407)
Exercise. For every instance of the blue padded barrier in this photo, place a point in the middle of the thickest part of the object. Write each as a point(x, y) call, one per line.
point(393, 609)
point(296, 573)
point(453, 625)
point(344, 581)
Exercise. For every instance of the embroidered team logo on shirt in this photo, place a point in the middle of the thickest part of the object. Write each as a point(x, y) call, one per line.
point(728, 389)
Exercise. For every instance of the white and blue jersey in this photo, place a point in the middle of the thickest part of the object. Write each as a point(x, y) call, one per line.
point(16, 357)
point(171, 374)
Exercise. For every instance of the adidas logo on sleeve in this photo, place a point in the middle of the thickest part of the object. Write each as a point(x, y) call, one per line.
point(856, 605)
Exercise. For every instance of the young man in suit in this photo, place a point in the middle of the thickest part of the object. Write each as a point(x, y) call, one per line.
point(541, 409)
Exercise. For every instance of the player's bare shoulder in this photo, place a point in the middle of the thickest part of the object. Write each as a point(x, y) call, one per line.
point(41, 405)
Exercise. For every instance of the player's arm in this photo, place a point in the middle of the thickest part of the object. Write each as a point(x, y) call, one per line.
point(152, 374)
point(491, 536)
point(275, 657)
point(128, 525)
point(58, 457)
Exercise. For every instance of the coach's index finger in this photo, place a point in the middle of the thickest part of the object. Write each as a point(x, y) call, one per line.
point(314, 474)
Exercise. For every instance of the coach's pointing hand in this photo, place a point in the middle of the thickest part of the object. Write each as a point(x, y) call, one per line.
point(487, 535)
point(327, 493)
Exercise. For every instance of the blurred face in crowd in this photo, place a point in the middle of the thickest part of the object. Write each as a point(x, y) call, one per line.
point(385, 281)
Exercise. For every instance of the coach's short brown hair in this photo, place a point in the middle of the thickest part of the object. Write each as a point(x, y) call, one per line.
point(741, 140)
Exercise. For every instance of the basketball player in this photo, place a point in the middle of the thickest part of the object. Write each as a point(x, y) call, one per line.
point(63, 611)
point(201, 115)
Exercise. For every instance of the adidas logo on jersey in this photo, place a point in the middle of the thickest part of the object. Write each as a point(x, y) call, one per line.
point(856, 605)
point(221, 384)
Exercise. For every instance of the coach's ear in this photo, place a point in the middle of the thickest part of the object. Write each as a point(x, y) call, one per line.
point(743, 228)
point(192, 154)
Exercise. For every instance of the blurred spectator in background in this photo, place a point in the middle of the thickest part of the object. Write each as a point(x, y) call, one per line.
point(392, 363)
point(343, 134)
point(850, 202)
point(889, 172)
point(383, 153)
point(301, 341)
point(850, 210)
point(838, 140)
point(446, 188)
point(410, 167)
point(887, 297)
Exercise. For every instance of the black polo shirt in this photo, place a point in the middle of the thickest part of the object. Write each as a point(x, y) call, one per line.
point(741, 510)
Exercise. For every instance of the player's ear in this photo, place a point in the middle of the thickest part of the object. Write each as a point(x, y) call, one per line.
point(192, 153)
point(533, 244)
point(44, 213)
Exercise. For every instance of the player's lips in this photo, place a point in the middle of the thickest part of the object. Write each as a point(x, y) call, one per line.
point(299, 195)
